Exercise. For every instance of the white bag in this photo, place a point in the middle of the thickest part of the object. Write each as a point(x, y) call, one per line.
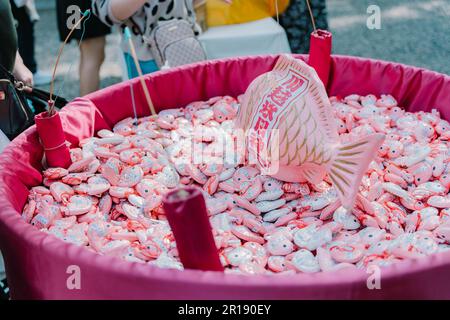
point(173, 43)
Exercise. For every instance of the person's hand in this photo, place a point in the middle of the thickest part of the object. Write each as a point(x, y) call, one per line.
point(22, 73)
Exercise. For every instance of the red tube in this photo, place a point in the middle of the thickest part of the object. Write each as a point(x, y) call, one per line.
point(320, 53)
point(53, 140)
point(186, 212)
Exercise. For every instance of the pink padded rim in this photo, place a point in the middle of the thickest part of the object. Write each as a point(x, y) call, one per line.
point(36, 263)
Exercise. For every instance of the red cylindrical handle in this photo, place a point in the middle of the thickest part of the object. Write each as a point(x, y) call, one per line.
point(320, 53)
point(186, 212)
point(53, 140)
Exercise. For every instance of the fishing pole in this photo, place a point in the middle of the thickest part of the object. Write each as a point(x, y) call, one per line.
point(127, 34)
point(51, 103)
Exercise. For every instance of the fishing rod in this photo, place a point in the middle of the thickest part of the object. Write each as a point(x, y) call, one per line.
point(127, 34)
point(51, 102)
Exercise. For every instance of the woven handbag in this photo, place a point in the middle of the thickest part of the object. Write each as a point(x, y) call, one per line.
point(173, 43)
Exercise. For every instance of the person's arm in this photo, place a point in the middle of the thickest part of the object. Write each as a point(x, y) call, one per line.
point(116, 11)
point(123, 9)
point(113, 12)
point(8, 37)
point(21, 72)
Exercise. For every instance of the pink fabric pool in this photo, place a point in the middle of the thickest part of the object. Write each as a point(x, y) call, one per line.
point(36, 264)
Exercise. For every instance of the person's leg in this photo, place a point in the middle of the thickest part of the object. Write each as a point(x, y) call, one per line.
point(25, 35)
point(92, 56)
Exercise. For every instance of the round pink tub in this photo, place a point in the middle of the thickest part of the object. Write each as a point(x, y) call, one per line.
point(37, 265)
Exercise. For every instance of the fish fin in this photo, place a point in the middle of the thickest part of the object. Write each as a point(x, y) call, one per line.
point(312, 172)
point(349, 165)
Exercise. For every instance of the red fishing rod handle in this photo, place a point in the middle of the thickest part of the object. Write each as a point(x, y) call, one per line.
point(186, 212)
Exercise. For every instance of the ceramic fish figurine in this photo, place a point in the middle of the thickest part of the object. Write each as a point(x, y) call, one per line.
point(290, 132)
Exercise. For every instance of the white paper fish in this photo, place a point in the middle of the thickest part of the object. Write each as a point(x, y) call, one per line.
point(290, 126)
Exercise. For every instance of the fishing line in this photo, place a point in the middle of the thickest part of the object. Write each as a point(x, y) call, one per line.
point(311, 15)
point(83, 28)
point(276, 10)
point(127, 34)
point(133, 102)
point(51, 103)
point(280, 45)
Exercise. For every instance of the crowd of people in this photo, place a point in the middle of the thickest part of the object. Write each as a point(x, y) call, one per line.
point(141, 16)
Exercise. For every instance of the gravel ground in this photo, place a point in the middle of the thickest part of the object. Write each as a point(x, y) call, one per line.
point(413, 32)
point(48, 44)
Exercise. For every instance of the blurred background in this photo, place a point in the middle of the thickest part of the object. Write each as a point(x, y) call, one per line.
point(412, 32)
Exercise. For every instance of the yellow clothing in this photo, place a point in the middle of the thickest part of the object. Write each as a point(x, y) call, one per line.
point(219, 13)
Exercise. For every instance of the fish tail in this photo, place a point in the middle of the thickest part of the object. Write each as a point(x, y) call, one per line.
point(349, 165)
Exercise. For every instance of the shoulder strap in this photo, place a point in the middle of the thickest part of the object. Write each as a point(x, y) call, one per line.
point(5, 73)
point(35, 93)
point(191, 14)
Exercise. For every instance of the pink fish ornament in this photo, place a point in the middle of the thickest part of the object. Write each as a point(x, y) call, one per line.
point(290, 133)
